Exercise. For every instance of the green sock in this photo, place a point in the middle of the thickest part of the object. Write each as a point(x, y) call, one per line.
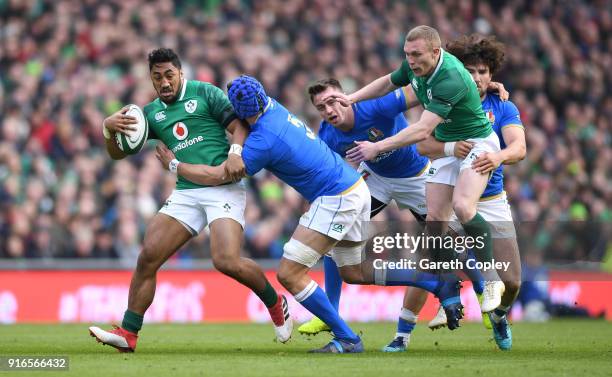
point(478, 227)
point(132, 321)
point(268, 295)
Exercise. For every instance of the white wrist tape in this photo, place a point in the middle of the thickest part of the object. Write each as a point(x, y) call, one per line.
point(105, 131)
point(449, 148)
point(236, 149)
point(173, 166)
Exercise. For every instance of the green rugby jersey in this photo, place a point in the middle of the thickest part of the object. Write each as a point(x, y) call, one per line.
point(451, 93)
point(193, 127)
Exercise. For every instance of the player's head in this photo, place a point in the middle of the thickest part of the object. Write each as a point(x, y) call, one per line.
point(481, 56)
point(422, 48)
point(166, 73)
point(247, 96)
point(330, 110)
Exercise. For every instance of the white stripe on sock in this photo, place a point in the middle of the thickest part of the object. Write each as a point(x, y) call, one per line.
point(406, 336)
point(306, 292)
point(408, 316)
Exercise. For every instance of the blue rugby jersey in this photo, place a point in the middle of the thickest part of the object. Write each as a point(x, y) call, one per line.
point(282, 144)
point(501, 114)
point(377, 119)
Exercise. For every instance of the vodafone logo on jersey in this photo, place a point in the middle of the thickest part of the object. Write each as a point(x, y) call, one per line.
point(180, 131)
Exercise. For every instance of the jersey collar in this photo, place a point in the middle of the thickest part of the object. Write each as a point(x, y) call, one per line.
point(268, 105)
point(440, 61)
point(183, 89)
point(266, 108)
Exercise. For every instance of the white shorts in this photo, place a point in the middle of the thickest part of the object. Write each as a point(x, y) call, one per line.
point(496, 211)
point(445, 170)
point(197, 208)
point(407, 192)
point(341, 217)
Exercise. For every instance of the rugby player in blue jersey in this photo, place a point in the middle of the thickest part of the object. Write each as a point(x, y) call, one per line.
point(482, 57)
point(340, 210)
point(398, 175)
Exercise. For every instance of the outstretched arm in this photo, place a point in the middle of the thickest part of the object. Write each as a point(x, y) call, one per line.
point(419, 131)
point(376, 88)
point(434, 149)
point(196, 173)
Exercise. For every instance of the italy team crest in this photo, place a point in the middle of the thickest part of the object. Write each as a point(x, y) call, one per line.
point(375, 134)
point(491, 116)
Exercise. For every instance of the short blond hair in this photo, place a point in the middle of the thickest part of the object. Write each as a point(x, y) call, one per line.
point(426, 33)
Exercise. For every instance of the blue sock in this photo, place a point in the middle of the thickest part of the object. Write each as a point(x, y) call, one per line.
point(404, 327)
point(314, 299)
point(333, 281)
point(424, 280)
point(474, 275)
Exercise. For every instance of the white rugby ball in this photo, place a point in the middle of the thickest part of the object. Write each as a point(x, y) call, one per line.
point(135, 140)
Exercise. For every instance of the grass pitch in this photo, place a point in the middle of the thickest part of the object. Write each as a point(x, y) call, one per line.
point(558, 348)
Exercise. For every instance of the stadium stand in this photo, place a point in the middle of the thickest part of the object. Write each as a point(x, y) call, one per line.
point(65, 65)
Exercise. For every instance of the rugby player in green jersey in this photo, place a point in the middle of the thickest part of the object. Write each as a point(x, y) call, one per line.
point(452, 112)
point(190, 118)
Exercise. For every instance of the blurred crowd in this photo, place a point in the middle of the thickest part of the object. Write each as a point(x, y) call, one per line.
point(65, 65)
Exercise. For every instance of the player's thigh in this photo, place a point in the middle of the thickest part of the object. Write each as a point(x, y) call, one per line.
point(225, 238)
point(468, 189)
point(320, 242)
point(439, 201)
point(224, 202)
point(224, 208)
point(163, 237)
point(337, 217)
point(409, 193)
point(183, 206)
point(470, 184)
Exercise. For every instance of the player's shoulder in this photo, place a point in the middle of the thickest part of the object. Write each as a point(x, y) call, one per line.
point(367, 106)
point(510, 106)
point(204, 89)
point(449, 80)
point(202, 84)
point(505, 111)
point(504, 106)
point(152, 107)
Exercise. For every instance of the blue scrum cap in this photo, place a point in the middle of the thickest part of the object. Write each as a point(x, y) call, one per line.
point(247, 96)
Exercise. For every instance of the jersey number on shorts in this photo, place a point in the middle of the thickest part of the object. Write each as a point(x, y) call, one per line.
point(298, 123)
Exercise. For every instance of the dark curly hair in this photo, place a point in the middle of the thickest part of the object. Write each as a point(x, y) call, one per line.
point(321, 85)
point(163, 55)
point(477, 49)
